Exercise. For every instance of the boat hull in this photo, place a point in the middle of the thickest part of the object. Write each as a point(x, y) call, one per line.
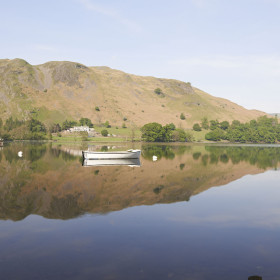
point(130, 154)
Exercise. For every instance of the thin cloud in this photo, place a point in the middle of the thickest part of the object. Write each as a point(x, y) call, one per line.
point(114, 14)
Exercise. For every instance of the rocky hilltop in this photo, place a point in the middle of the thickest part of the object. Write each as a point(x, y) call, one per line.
point(56, 91)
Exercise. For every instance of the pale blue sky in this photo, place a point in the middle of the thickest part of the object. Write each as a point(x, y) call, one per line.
point(228, 48)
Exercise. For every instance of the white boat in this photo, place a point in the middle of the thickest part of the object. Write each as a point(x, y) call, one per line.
point(133, 162)
point(129, 154)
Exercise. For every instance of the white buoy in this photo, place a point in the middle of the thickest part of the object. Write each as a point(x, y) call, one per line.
point(20, 153)
point(154, 158)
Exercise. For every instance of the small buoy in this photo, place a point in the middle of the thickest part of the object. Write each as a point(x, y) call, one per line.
point(154, 158)
point(20, 153)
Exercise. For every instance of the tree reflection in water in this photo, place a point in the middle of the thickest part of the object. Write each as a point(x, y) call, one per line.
point(51, 181)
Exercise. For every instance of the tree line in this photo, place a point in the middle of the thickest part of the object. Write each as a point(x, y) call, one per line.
point(34, 129)
point(155, 132)
point(262, 130)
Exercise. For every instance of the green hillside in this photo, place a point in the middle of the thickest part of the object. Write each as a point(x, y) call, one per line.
point(56, 91)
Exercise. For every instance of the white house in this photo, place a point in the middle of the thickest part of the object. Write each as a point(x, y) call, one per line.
point(80, 128)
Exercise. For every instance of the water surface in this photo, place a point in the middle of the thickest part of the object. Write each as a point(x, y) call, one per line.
point(198, 212)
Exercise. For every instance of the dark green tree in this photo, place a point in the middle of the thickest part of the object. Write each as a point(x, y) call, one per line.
point(179, 135)
point(182, 116)
point(36, 126)
point(85, 122)
point(205, 123)
point(6, 137)
point(104, 132)
point(171, 126)
point(152, 132)
point(214, 135)
point(196, 127)
point(68, 124)
point(213, 124)
point(158, 91)
point(10, 124)
point(235, 123)
point(55, 128)
point(107, 125)
point(224, 125)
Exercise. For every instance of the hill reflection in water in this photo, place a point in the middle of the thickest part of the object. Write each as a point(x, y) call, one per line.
point(50, 180)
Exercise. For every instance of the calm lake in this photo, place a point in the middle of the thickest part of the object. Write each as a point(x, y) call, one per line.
point(198, 212)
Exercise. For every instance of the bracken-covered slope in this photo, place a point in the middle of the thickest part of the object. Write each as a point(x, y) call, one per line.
point(56, 91)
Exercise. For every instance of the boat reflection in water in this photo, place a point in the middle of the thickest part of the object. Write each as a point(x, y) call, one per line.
point(133, 162)
point(129, 154)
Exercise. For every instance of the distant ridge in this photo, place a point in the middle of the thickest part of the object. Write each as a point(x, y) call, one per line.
point(60, 90)
point(275, 114)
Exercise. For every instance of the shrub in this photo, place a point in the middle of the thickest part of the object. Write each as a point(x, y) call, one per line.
point(182, 116)
point(158, 189)
point(189, 137)
point(6, 137)
point(196, 127)
point(106, 124)
point(205, 123)
point(104, 132)
point(158, 91)
point(97, 108)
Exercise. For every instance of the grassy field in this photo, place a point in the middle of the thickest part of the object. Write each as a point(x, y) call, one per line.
point(199, 135)
point(121, 135)
point(89, 139)
point(122, 132)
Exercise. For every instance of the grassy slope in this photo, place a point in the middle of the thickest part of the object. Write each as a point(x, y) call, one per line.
point(55, 91)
